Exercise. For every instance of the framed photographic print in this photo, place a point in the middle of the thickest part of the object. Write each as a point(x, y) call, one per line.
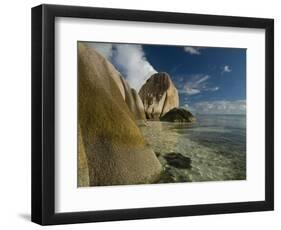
point(142, 114)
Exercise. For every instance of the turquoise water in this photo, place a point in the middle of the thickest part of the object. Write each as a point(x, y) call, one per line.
point(215, 144)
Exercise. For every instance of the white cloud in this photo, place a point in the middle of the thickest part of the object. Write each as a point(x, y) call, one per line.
point(197, 84)
point(192, 50)
point(129, 60)
point(226, 69)
point(220, 107)
point(186, 105)
point(200, 79)
point(190, 91)
point(105, 49)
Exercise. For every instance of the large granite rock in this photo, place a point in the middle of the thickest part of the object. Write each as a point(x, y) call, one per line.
point(159, 95)
point(115, 149)
point(132, 100)
point(83, 170)
point(178, 115)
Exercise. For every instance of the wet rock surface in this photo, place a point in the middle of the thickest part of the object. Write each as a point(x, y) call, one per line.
point(177, 160)
point(178, 115)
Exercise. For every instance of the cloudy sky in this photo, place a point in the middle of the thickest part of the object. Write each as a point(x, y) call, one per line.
point(209, 80)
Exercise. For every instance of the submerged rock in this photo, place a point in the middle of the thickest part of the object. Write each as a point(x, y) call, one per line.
point(178, 115)
point(177, 160)
point(115, 150)
point(158, 95)
point(157, 154)
point(167, 177)
point(173, 175)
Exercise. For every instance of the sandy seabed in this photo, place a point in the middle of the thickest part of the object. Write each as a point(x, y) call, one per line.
point(215, 148)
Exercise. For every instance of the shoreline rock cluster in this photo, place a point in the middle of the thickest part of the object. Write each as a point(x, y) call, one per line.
point(112, 149)
point(161, 100)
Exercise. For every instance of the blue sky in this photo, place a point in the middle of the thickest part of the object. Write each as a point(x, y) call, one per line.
point(204, 74)
point(208, 79)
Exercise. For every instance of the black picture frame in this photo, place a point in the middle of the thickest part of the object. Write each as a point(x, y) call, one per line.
point(43, 114)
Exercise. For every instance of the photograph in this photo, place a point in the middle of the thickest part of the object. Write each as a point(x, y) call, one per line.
point(154, 114)
point(149, 113)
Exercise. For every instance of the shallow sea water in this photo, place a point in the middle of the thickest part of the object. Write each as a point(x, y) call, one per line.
point(215, 144)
